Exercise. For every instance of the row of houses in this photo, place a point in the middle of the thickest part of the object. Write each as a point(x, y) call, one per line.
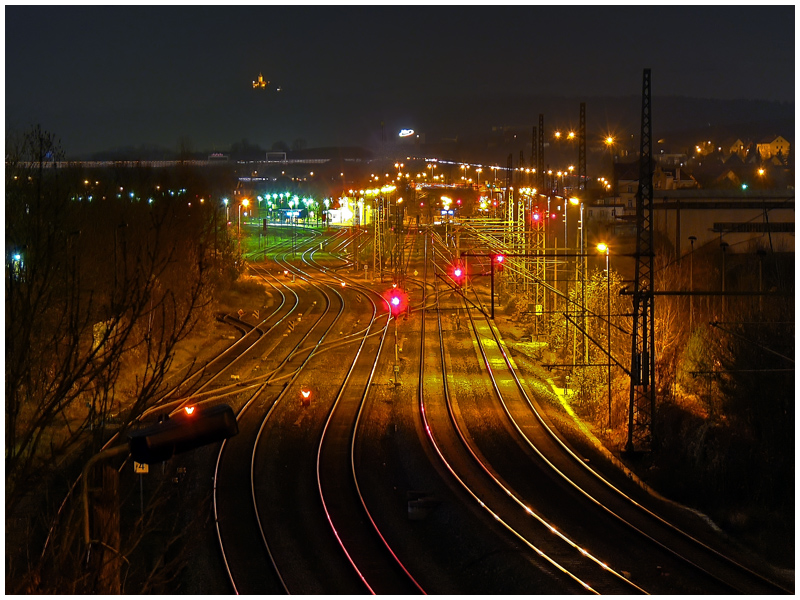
point(764, 149)
point(740, 194)
point(775, 148)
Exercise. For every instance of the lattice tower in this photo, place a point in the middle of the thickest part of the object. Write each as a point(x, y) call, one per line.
point(642, 391)
point(538, 249)
point(380, 236)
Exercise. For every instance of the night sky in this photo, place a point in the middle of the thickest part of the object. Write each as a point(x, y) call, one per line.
point(108, 77)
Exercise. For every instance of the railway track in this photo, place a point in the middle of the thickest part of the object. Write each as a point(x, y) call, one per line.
point(561, 565)
point(306, 496)
point(313, 546)
point(677, 561)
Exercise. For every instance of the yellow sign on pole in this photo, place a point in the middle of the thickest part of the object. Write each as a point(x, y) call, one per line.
point(140, 467)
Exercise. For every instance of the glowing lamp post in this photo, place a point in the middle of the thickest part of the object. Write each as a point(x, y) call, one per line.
point(604, 248)
point(609, 141)
point(291, 216)
point(245, 202)
point(497, 259)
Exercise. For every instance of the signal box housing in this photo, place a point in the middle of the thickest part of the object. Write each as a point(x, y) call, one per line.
point(183, 432)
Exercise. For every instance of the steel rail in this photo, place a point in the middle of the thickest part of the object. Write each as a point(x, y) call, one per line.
point(439, 451)
point(510, 493)
point(577, 460)
point(382, 331)
point(239, 415)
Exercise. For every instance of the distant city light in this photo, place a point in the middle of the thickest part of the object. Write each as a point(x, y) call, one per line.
point(406, 132)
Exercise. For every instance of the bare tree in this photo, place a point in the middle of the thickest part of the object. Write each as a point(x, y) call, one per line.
point(98, 295)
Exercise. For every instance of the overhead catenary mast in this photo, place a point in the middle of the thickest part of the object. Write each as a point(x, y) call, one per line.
point(642, 391)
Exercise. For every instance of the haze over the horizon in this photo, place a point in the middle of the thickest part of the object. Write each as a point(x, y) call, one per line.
point(103, 77)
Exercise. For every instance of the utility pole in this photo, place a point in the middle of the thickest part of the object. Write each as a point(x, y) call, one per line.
point(354, 232)
point(538, 227)
point(540, 155)
point(582, 148)
point(582, 188)
point(608, 329)
point(379, 224)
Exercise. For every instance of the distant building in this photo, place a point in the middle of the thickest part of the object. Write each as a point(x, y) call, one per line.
point(674, 159)
point(773, 146)
point(738, 147)
point(625, 183)
point(745, 219)
point(261, 83)
point(745, 203)
point(672, 179)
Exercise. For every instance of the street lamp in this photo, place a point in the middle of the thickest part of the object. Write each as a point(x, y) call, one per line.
point(604, 248)
point(692, 239)
point(245, 202)
point(724, 246)
point(761, 254)
point(609, 141)
point(291, 216)
point(574, 202)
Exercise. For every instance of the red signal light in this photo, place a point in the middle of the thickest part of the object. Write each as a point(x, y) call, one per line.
point(397, 301)
point(459, 273)
point(189, 410)
point(536, 216)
